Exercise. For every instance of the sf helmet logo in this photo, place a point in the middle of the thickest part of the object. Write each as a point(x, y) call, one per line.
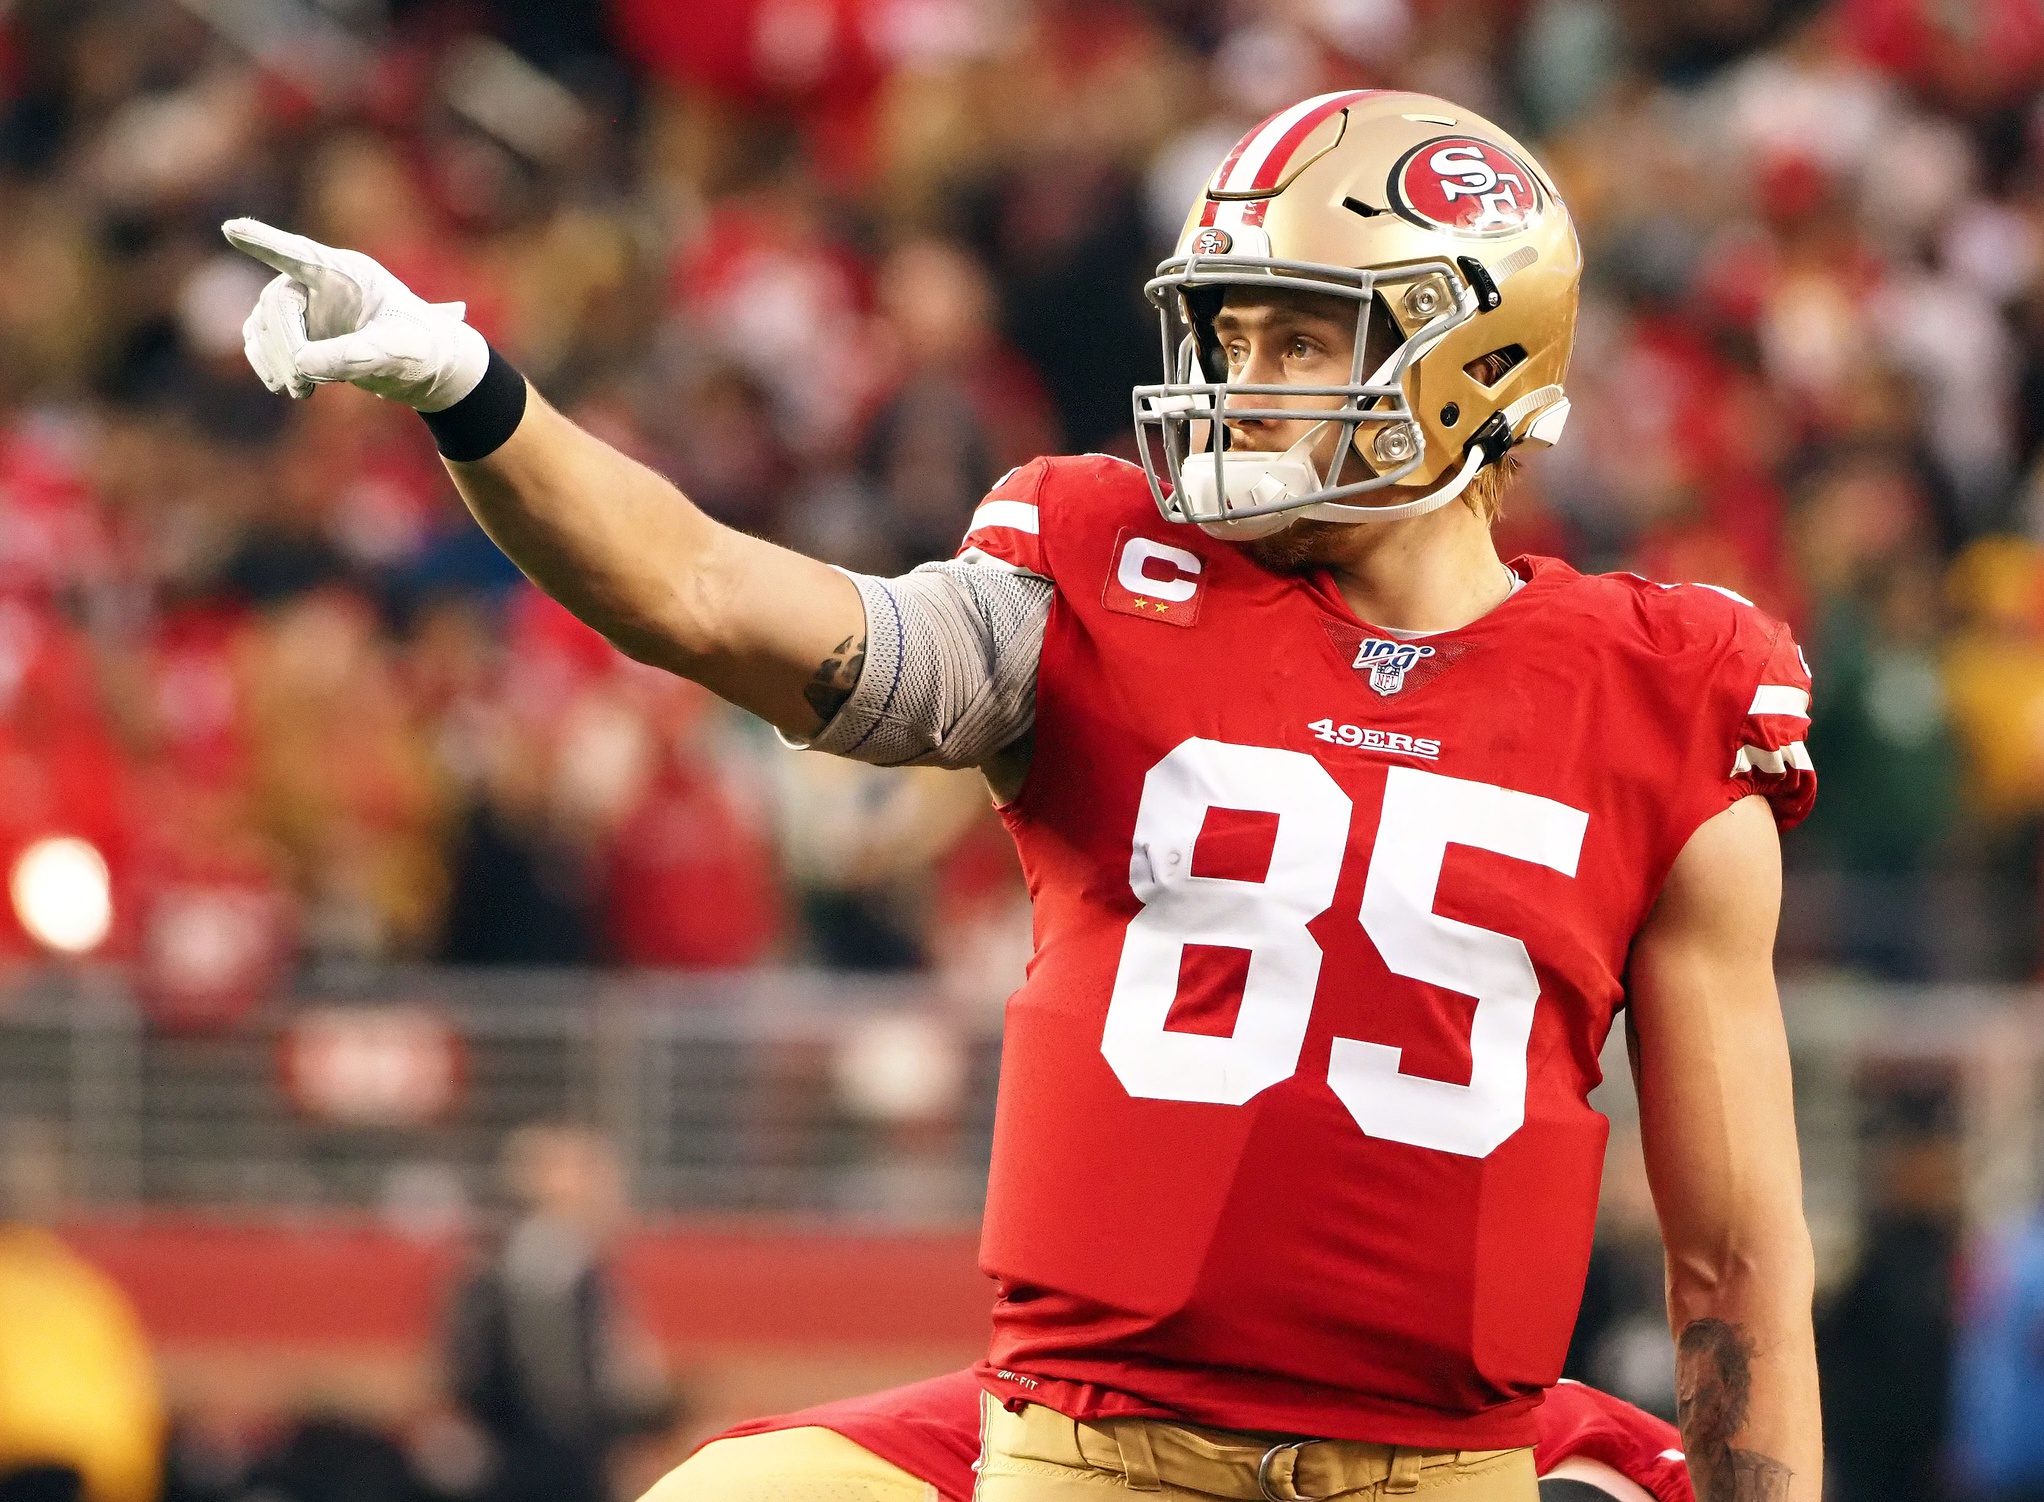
point(1388, 662)
point(1466, 185)
point(1212, 242)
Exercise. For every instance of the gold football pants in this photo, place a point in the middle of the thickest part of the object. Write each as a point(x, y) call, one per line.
point(1041, 1456)
point(790, 1465)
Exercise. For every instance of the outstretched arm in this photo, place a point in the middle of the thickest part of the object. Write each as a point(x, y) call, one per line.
point(1718, 1122)
point(780, 634)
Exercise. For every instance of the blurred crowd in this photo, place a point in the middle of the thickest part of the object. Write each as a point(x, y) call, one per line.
point(833, 266)
point(545, 1381)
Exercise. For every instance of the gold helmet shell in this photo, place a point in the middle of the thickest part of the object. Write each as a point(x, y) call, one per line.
point(1460, 258)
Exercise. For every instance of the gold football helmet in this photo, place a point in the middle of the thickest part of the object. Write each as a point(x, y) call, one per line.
point(1464, 270)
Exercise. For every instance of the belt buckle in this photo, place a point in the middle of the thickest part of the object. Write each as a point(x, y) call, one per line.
point(1263, 1471)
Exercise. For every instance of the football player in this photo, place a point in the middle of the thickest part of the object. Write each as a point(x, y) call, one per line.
point(1348, 841)
point(919, 1443)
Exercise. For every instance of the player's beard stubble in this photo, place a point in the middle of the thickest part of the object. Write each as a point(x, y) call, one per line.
point(1299, 548)
point(1306, 545)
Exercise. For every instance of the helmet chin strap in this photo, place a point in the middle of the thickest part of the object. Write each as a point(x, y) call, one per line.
point(1267, 478)
point(1334, 511)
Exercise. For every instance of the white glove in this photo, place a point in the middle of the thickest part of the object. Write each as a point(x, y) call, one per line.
point(335, 315)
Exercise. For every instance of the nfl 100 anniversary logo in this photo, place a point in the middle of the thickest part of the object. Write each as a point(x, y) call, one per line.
point(1388, 662)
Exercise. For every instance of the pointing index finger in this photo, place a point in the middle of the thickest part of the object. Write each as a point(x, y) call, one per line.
point(279, 249)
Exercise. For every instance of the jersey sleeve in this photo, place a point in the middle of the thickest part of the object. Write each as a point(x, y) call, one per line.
point(1732, 703)
point(949, 676)
point(1770, 688)
point(1007, 527)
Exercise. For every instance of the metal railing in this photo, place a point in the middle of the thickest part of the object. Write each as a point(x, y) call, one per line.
point(784, 1091)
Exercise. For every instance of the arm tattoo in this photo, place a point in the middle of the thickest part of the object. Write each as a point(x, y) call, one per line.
point(1713, 1381)
point(835, 678)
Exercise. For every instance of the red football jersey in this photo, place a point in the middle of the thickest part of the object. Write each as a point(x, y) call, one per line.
point(1581, 1421)
point(931, 1430)
point(1329, 930)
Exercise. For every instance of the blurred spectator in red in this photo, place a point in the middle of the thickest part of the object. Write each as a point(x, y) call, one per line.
point(215, 919)
point(345, 784)
point(218, 922)
point(62, 770)
point(961, 407)
point(519, 877)
point(769, 287)
point(610, 811)
point(814, 61)
point(1991, 55)
point(690, 878)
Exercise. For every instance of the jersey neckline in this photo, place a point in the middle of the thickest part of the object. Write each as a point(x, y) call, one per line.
point(1535, 571)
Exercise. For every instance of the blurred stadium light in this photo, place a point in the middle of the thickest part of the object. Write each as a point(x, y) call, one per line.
point(63, 894)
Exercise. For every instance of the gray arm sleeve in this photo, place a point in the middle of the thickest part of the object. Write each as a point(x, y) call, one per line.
point(950, 673)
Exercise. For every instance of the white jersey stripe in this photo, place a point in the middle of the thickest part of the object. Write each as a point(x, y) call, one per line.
point(1779, 698)
point(1018, 516)
point(1760, 759)
point(1716, 589)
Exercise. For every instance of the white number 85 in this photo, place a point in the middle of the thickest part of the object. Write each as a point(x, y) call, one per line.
point(1423, 814)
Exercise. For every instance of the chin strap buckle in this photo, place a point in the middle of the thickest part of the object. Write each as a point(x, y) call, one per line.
point(1494, 438)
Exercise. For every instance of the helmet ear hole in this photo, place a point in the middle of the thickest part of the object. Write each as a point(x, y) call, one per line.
point(1488, 370)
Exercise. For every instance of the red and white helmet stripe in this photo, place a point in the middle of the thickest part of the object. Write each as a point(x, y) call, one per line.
point(1258, 161)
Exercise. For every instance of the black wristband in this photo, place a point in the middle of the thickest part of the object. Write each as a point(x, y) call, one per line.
point(481, 422)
